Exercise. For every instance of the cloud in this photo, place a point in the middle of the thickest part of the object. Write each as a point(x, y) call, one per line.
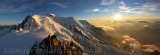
point(106, 10)
point(7, 6)
point(135, 3)
point(130, 41)
point(107, 2)
point(106, 28)
point(60, 4)
point(136, 47)
point(148, 48)
point(94, 10)
point(124, 8)
point(121, 8)
point(148, 8)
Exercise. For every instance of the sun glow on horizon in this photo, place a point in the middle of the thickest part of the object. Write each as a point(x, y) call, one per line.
point(117, 17)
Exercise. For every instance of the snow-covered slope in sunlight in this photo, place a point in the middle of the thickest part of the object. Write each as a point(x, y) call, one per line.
point(67, 30)
point(19, 43)
point(34, 29)
point(92, 42)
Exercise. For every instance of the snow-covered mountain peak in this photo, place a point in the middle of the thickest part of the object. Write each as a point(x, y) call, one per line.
point(30, 22)
point(38, 22)
point(50, 31)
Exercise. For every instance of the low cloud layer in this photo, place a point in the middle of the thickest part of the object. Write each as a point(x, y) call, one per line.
point(106, 28)
point(135, 47)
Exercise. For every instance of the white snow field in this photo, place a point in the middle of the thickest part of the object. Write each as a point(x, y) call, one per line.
point(38, 27)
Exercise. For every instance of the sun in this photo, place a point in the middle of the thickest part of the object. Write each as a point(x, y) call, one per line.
point(117, 17)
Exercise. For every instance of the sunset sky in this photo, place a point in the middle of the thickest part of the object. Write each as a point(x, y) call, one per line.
point(14, 11)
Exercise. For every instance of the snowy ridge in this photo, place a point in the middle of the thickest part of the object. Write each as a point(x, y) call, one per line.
point(39, 28)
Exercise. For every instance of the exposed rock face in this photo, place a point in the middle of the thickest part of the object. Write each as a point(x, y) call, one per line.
point(52, 46)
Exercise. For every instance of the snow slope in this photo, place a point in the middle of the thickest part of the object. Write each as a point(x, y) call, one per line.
point(36, 28)
point(4, 29)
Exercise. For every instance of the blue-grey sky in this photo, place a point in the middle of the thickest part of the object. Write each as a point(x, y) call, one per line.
point(14, 11)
